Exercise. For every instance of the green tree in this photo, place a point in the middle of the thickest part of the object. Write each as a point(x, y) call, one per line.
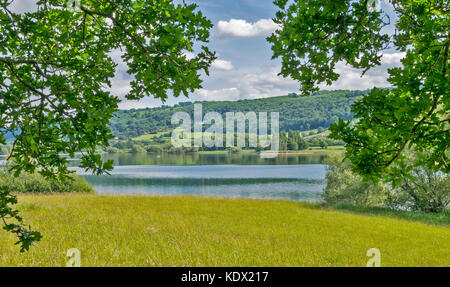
point(292, 145)
point(323, 143)
point(302, 143)
point(138, 148)
point(56, 68)
point(414, 113)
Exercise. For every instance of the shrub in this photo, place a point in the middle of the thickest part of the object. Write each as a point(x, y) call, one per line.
point(191, 149)
point(112, 149)
point(176, 150)
point(28, 183)
point(427, 191)
point(137, 148)
point(345, 186)
point(323, 143)
point(154, 149)
point(234, 150)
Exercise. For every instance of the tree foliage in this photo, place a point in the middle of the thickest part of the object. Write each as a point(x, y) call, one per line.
point(317, 34)
point(292, 140)
point(13, 222)
point(414, 113)
point(56, 67)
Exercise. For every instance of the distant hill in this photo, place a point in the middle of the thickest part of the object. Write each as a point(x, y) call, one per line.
point(296, 113)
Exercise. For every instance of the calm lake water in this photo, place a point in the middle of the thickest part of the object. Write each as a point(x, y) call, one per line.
point(291, 177)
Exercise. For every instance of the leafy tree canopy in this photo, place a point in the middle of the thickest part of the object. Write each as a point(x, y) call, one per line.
point(56, 70)
point(56, 67)
point(412, 115)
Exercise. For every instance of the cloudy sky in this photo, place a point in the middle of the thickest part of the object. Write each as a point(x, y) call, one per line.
point(244, 69)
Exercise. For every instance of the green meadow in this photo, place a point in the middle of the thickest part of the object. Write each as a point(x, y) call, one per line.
point(195, 231)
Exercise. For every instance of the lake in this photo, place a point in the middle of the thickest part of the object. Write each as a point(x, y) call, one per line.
point(243, 175)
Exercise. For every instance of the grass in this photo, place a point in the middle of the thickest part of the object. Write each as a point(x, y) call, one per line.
point(306, 134)
point(191, 231)
point(148, 137)
point(431, 218)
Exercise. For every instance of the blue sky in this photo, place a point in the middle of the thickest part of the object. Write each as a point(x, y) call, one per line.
point(244, 69)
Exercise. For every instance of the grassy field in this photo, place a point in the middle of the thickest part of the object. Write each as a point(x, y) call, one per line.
point(148, 136)
point(190, 231)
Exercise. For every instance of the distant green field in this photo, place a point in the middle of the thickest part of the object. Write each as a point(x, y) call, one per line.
point(315, 133)
point(148, 136)
point(190, 231)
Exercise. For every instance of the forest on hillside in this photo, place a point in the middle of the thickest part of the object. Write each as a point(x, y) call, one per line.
point(297, 113)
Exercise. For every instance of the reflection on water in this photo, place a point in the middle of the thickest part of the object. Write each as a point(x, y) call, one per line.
point(296, 190)
point(291, 182)
point(212, 159)
point(307, 171)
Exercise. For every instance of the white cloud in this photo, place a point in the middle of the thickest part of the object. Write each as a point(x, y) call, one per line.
point(222, 65)
point(241, 28)
point(392, 60)
point(263, 84)
point(231, 94)
point(350, 78)
point(128, 105)
point(189, 55)
point(120, 84)
point(23, 6)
